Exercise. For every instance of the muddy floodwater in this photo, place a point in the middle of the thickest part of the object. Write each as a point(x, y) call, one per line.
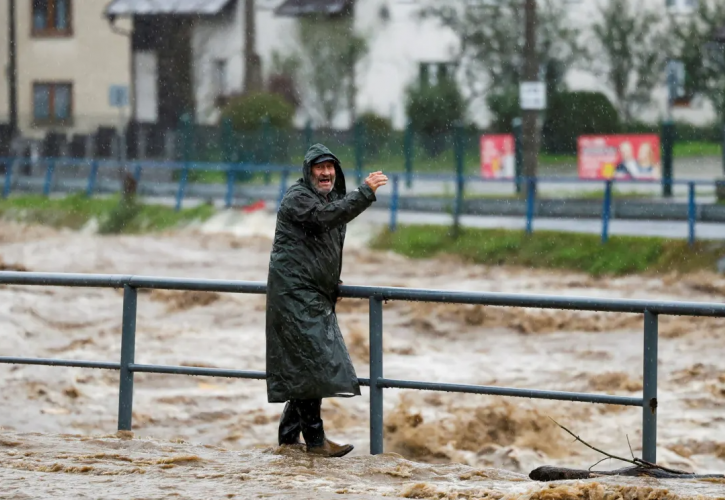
point(203, 437)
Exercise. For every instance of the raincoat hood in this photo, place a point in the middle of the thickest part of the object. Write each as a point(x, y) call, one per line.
point(316, 151)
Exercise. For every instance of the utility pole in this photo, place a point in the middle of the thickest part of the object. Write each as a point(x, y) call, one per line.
point(531, 74)
point(12, 70)
point(252, 61)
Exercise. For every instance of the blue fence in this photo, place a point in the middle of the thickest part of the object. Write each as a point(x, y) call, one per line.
point(183, 171)
point(376, 296)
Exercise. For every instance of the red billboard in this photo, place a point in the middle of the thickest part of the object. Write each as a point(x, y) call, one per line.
point(497, 156)
point(634, 156)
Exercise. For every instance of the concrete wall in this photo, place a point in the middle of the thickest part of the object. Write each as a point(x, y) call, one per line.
point(93, 58)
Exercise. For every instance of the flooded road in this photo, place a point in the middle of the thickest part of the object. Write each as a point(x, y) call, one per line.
point(433, 439)
point(52, 466)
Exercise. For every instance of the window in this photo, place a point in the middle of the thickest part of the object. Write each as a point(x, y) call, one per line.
point(52, 103)
point(219, 82)
point(51, 18)
point(220, 77)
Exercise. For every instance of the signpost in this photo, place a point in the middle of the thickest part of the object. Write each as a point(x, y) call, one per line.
point(118, 98)
point(532, 96)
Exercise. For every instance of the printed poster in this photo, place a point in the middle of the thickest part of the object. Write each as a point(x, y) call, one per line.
point(635, 156)
point(497, 156)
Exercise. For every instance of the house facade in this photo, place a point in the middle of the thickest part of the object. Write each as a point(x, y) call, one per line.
point(82, 64)
point(399, 43)
point(68, 62)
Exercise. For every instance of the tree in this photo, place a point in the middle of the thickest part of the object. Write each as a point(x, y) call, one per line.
point(329, 51)
point(627, 50)
point(282, 79)
point(434, 110)
point(704, 60)
point(491, 37)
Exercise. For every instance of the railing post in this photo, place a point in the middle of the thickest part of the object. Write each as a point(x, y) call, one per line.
point(182, 186)
point(668, 141)
point(516, 125)
point(282, 187)
point(358, 138)
point(308, 134)
point(128, 349)
point(606, 210)
point(691, 213)
point(8, 178)
point(48, 177)
point(458, 153)
point(530, 203)
point(394, 206)
point(376, 373)
point(408, 154)
point(92, 178)
point(231, 178)
point(137, 174)
point(266, 148)
point(649, 408)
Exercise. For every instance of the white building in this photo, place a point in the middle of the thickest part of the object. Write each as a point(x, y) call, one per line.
point(181, 55)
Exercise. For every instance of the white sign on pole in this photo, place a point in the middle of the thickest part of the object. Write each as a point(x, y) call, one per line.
point(532, 95)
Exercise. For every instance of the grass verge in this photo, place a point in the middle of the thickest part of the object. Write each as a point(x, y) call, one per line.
point(696, 149)
point(592, 194)
point(555, 250)
point(113, 216)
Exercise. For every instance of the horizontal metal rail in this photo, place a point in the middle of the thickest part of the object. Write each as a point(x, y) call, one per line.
point(672, 308)
point(509, 391)
point(377, 382)
point(195, 370)
point(279, 167)
point(60, 362)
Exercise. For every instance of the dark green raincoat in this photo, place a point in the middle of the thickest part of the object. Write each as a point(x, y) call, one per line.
point(306, 354)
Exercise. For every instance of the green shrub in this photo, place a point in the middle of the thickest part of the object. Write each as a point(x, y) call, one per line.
point(248, 111)
point(121, 217)
point(504, 107)
point(377, 131)
point(571, 114)
point(434, 110)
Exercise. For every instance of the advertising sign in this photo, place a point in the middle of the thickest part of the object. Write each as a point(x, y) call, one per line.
point(497, 156)
point(619, 156)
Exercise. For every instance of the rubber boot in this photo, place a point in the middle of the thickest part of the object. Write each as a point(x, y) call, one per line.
point(314, 433)
point(289, 426)
point(308, 411)
point(330, 449)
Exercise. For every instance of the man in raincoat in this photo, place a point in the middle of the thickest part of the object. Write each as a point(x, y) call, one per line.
point(307, 359)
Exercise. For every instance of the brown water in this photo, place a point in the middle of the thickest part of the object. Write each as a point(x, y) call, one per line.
point(228, 424)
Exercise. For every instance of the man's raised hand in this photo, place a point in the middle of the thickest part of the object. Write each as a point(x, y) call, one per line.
point(375, 180)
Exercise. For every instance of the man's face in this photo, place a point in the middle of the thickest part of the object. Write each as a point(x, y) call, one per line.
point(323, 177)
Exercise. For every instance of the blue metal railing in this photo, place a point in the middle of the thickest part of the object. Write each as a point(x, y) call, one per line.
point(232, 170)
point(377, 381)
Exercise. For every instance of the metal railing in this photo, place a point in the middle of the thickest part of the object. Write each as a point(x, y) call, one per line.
point(233, 171)
point(377, 382)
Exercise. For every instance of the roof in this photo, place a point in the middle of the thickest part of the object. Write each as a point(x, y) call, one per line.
point(306, 7)
point(156, 7)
